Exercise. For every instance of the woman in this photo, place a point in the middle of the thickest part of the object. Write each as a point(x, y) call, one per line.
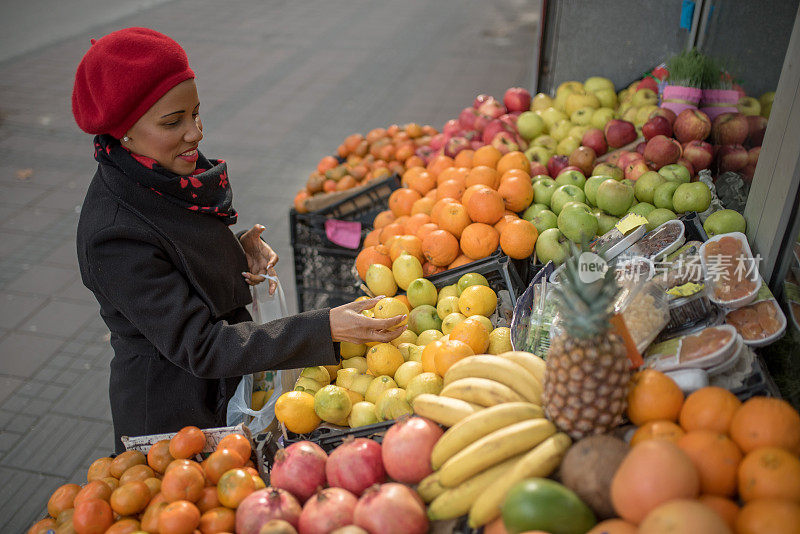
point(155, 249)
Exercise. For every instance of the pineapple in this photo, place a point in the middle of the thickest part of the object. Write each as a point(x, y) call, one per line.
point(588, 371)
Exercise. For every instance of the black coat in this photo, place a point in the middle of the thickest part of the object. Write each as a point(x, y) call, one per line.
point(170, 289)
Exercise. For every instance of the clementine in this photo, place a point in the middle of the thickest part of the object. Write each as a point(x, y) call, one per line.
point(716, 458)
point(765, 421)
point(518, 238)
point(653, 396)
point(479, 240)
point(769, 473)
point(453, 218)
point(440, 248)
point(486, 155)
point(401, 201)
point(768, 516)
point(485, 206)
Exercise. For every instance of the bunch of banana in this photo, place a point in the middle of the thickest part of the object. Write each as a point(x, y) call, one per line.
point(483, 449)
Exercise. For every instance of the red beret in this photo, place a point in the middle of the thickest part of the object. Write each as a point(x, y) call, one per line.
point(122, 75)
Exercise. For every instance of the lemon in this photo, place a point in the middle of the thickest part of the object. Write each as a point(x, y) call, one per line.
point(428, 336)
point(500, 340)
point(392, 404)
point(423, 383)
point(405, 350)
point(450, 321)
point(408, 336)
point(390, 307)
point(361, 383)
point(477, 300)
point(332, 404)
point(363, 413)
point(378, 386)
point(318, 374)
point(380, 280)
point(309, 384)
point(259, 399)
point(384, 359)
point(351, 350)
point(406, 268)
point(448, 291)
point(485, 322)
point(446, 306)
point(415, 353)
point(345, 377)
point(406, 372)
point(295, 410)
point(471, 279)
point(357, 362)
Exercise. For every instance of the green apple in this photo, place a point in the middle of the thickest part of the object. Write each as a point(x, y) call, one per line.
point(541, 102)
point(571, 178)
point(646, 184)
point(591, 185)
point(578, 131)
point(675, 173)
point(630, 183)
point(577, 101)
point(749, 106)
point(553, 246)
point(607, 169)
point(421, 291)
point(560, 130)
point(724, 222)
point(595, 83)
point(577, 222)
point(694, 196)
point(601, 116)
point(530, 125)
point(659, 216)
point(539, 154)
point(662, 197)
point(564, 194)
point(644, 97)
point(533, 210)
point(538, 177)
point(605, 222)
point(582, 116)
point(614, 197)
point(567, 145)
point(545, 141)
point(424, 318)
point(543, 191)
point(766, 103)
point(607, 97)
point(642, 208)
point(544, 220)
point(551, 116)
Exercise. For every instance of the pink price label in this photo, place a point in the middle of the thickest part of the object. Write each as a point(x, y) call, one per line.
point(343, 233)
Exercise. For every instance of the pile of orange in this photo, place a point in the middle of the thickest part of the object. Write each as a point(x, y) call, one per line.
point(745, 455)
point(164, 491)
point(382, 152)
point(456, 210)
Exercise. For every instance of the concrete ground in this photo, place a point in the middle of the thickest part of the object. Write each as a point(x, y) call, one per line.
point(281, 85)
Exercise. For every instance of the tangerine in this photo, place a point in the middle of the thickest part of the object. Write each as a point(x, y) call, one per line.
point(716, 459)
point(438, 164)
point(96, 489)
point(518, 238)
point(416, 221)
point(425, 230)
point(709, 408)
point(449, 353)
point(483, 175)
point(473, 333)
point(383, 218)
point(429, 356)
point(234, 486)
point(453, 218)
point(769, 473)
point(653, 396)
point(188, 442)
point(683, 515)
point(220, 461)
point(511, 173)
point(123, 461)
point(464, 158)
point(666, 430)
point(468, 192)
point(766, 421)
point(130, 498)
point(63, 498)
point(218, 519)
point(391, 230)
point(768, 516)
point(124, 526)
point(429, 269)
point(401, 201)
point(179, 517)
point(158, 457)
point(450, 189)
point(479, 240)
point(486, 155)
point(208, 500)
point(517, 193)
point(100, 468)
point(138, 472)
point(440, 247)
point(423, 205)
point(513, 160)
point(725, 508)
point(485, 206)
point(92, 516)
point(406, 244)
point(295, 409)
point(508, 217)
point(183, 482)
point(459, 261)
point(438, 207)
point(454, 174)
point(373, 238)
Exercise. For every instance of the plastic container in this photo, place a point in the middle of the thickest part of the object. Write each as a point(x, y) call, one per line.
point(613, 243)
point(529, 313)
point(661, 241)
point(672, 362)
point(645, 310)
point(711, 283)
point(715, 102)
point(686, 312)
point(689, 380)
point(678, 98)
point(731, 362)
point(693, 227)
point(329, 437)
point(772, 337)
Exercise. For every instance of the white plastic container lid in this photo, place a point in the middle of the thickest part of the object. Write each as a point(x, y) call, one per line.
point(673, 362)
point(710, 284)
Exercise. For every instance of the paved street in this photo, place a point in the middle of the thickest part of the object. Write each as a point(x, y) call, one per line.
point(281, 84)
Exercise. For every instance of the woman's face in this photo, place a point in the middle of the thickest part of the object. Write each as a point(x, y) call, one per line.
point(170, 130)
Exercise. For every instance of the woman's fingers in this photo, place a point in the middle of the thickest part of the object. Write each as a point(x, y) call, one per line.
point(384, 324)
point(253, 279)
point(362, 305)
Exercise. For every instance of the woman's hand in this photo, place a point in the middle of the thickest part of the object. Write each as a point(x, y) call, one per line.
point(261, 259)
point(347, 324)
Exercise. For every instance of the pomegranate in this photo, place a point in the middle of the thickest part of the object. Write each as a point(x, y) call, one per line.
point(406, 449)
point(299, 469)
point(263, 505)
point(355, 465)
point(350, 529)
point(391, 509)
point(277, 526)
point(327, 510)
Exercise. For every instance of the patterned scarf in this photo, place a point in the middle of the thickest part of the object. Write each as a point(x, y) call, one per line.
point(206, 190)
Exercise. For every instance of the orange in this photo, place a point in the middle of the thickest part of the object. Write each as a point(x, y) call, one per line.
point(485, 206)
point(132, 498)
point(96, 489)
point(390, 230)
point(42, 526)
point(423, 205)
point(383, 218)
point(401, 298)
point(517, 193)
point(234, 486)
point(124, 526)
point(371, 255)
point(450, 189)
point(507, 218)
point(92, 515)
point(426, 229)
point(295, 409)
point(653, 396)
point(62, 499)
point(666, 430)
point(764, 421)
point(221, 461)
point(182, 482)
point(512, 173)
point(138, 472)
point(470, 190)
point(208, 500)
point(769, 473)
point(455, 174)
point(725, 508)
point(768, 516)
point(464, 158)
point(218, 519)
point(401, 201)
point(158, 457)
point(684, 516)
point(473, 333)
point(613, 526)
point(422, 182)
point(483, 175)
point(440, 248)
point(486, 155)
point(479, 240)
point(513, 160)
point(429, 356)
point(415, 161)
point(518, 238)
point(438, 164)
point(415, 221)
point(128, 459)
point(449, 353)
point(431, 194)
point(438, 207)
point(179, 517)
point(429, 269)
point(709, 408)
point(716, 458)
point(459, 261)
point(453, 218)
point(408, 244)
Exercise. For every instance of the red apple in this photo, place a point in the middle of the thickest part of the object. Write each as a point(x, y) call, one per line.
point(475, 144)
point(614, 157)
point(686, 163)
point(662, 150)
point(438, 141)
point(628, 158)
point(480, 99)
point(455, 145)
point(537, 168)
point(594, 139)
point(517, 99)
point(730, 129)
point(757, 127)
point(752, 155)
point(620, 133)
point(451, 127)
point(748, 172)
point(691, 125)
point(640, 148)
point(493, 108)
point(657, 125)
point(482, 121)
point(648, 83)
point(583, 157)
point(699, 153)
point(505, 142)
point(425, 153)
point(555, 164)
point(664, 112)
point(467, 118)
point(739, 89)
point(731, 158)
point(634, 170)
point(510, 119)
point(494, 128)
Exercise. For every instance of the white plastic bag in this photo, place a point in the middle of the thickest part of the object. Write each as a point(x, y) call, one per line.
point(265, 308)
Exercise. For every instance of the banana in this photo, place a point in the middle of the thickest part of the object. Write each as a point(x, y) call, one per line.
point(532, 363)
point(457, 501)
point(501, 370)
point(493, 449)
point(540, 462)
point(429, 487)
point(443, 410)
point(480, 391)
point(480, 424)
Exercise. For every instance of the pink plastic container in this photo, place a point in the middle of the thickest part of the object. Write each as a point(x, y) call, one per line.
point(678, 98)
point(715, 102)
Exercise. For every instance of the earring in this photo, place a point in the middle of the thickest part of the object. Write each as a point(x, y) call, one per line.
point(126, 138)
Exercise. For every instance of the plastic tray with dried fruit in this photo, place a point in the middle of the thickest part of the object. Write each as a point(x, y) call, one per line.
point(760, 323)
point(645, 310)
point(745, 279)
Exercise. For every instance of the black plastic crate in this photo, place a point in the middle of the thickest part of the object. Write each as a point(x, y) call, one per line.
point(325, 273)
point(502, 276)
point(330, 438)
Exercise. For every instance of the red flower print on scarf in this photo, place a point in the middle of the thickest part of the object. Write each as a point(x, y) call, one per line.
point(223, 179)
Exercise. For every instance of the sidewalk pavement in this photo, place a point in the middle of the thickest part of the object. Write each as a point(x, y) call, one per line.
point(281, 84)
